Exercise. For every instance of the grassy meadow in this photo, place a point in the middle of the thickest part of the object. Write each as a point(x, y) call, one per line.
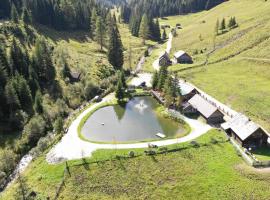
point(212, 170)
point(238, 60)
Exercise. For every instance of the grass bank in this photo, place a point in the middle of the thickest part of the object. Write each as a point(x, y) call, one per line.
point(209, 170)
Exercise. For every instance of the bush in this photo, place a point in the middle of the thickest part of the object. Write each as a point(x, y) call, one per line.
point(91, 90)
point(7, 162)
point(34, 129)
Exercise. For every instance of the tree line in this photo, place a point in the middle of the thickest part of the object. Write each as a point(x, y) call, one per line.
point(59, 14)
point(164, 82)
point(161, 8)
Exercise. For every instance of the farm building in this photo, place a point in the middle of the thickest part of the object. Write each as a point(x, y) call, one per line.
point(246, 132)
point(187, 91)
point(164, 60)
point(182, 57)
point(188, 109)
point(75, 77)
point(207, 110)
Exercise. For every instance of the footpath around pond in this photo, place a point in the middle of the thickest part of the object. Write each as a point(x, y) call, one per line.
point(73, 147)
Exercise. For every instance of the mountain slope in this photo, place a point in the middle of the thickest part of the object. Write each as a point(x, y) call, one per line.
point(238, 62)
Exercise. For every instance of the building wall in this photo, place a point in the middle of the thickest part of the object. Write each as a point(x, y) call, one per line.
point(259, 138)
point(215, 118)
point(184, 59)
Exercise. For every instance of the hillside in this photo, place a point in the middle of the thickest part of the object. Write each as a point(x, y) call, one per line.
point(232, 66)
point(211, 171)
point(237, 72)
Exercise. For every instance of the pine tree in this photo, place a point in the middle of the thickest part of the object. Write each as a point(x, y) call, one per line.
point(19, 59)
point(223, 25)
point(163, 73)
point(3, 59)
point(100, 33)
point(157, 30)
point(144, 29)
point(164, 34)
point(14, 14)
point(155, 80)
point(119, 93)
point(115, 49)
point(168, 86)
point(38, 107)
point(11, 96)
point(26, 18)
point(24, 94)
point(42, 60)
point(123, 79)
point(93, 22)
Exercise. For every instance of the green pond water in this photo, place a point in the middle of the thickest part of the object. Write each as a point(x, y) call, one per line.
point(133, 122)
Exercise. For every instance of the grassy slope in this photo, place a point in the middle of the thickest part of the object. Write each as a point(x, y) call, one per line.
point(212, 171)
point(240, 75)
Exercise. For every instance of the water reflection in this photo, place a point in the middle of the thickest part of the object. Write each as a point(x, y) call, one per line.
point(133, 121)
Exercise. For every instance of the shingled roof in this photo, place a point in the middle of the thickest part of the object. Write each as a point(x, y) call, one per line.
point(202, 105)
point(241, 126)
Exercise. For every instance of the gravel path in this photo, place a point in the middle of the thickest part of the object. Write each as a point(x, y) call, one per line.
point(72, 147)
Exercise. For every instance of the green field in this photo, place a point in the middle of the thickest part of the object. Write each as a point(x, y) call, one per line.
point(211, 171)
point(238, 67)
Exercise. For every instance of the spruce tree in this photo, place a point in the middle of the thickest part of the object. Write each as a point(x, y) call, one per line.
point(19, 59)
point(42, 60)
point(24, 94)
point(38, 107)
point(11, 97)
point(26, 18)
point(14, 14)
point(144, 28)
point(115, 49)
point(100, 33)
point(123, 79)
point(93, 23)
point(119, 93)
point(155, 80)
point(163, 73)
point(223, 25)
point(157, 30)
point(3, 59)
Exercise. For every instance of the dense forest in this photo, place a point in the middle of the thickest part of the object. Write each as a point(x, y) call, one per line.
point(37, 91)
point(60, 14)
point(132, 12)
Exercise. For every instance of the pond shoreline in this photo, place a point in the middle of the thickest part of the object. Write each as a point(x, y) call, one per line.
point(81, 149)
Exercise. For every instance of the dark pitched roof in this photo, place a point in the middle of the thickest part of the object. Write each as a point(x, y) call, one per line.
point(202, 105)
point(242, 126)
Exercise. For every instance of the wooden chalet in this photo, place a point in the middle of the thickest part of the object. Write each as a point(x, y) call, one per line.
point(206, 109)
point(246, 132)
point(183, 58)
point(164, 60)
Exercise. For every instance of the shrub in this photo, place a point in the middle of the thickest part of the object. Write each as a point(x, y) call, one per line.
point(91, 90)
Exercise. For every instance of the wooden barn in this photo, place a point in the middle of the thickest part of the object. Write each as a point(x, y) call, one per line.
point(183, 58)
point(246, 132)
point(207, 110)
point(187, 91)
point(164, 60)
